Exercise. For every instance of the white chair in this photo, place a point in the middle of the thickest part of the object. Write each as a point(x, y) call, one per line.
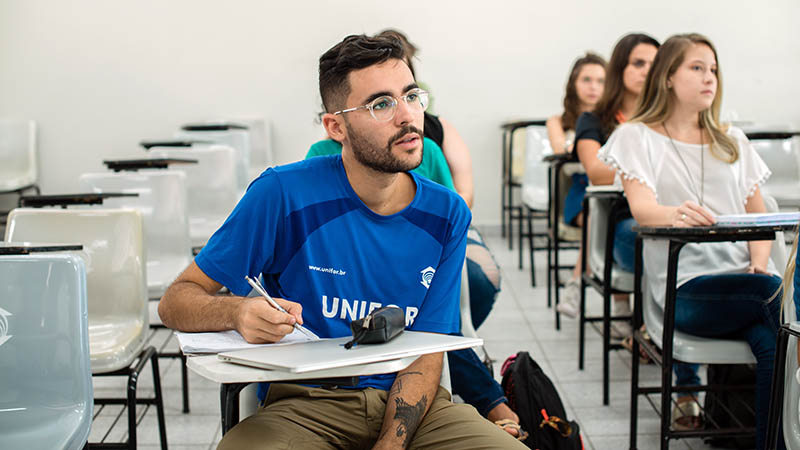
point(162, 201)
point(46, 388)
point(606, 202)
point(782, 156)
point(262, 155)
point(113, 251)
point(535, 189)
point(233, 135)
point(210, 184)
point(18, 162)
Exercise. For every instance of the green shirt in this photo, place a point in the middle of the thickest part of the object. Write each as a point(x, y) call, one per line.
point(433, 167)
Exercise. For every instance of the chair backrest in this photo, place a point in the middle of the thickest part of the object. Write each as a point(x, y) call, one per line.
point(113, 252)
point(535, 190)
point(599, 209)
point(236, 138)
point(18, 164)
point(46, 389)
point(211, 186)
point(162, 202)
point(261, 152)
point(782, 156)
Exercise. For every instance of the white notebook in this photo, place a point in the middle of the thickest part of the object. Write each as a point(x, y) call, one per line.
point(779, 218)
point(225, 341)
point(330, 353)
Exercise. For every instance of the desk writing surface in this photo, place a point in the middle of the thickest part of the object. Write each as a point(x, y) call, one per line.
point(330, 353)
point(212, 368)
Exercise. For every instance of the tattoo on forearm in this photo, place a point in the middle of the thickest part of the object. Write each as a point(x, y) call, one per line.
point(409, 416)
point(398, 384)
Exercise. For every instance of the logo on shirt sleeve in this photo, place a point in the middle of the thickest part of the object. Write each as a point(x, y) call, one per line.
point(427, 276)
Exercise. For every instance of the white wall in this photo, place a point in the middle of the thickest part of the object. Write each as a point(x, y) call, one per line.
point(99, 76)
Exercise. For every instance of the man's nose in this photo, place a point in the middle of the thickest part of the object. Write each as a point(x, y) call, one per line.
point(405, 113)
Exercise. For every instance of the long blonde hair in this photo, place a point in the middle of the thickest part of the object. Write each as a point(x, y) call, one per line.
point(655, 105)
point(788, 276)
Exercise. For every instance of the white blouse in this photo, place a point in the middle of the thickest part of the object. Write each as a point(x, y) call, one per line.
point(637, 152)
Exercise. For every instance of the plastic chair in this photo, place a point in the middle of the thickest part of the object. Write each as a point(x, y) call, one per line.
point(782, 156)
point(535, 190)
point(18, 162)
point(46, 392)
point(162, 201)
point(513, 161)
point(262, 154)
point(113, 251)
point(602, 207)
point(233, 135)
point(210, 184)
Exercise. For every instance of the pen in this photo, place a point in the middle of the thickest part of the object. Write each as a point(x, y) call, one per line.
point(260, 289)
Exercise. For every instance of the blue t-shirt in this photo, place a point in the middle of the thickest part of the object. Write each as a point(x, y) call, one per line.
point(314, 241)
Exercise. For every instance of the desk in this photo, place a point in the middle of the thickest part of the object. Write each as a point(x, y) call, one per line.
point(677, 237)
point(26, 248)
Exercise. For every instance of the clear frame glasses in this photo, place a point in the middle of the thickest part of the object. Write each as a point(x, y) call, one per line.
point(384, 108)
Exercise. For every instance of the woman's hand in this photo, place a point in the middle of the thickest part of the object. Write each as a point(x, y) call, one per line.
point(690, 214)
point(752, 268)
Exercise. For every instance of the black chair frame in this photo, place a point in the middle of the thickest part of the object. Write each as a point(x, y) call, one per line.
point(678, 237)
point(130, 401)
point(554, 243)
point(619, 210)
point(774, 419)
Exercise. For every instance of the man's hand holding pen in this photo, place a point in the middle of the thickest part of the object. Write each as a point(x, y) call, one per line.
point(259, 323)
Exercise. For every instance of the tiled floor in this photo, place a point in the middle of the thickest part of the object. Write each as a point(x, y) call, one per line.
point(520, 321)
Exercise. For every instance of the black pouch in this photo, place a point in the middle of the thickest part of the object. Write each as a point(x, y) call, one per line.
point(378, 327)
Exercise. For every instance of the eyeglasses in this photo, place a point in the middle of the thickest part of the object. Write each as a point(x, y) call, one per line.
point(384, 108)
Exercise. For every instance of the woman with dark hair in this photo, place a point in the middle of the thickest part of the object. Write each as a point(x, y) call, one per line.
point(625, 75)
point(584, 89)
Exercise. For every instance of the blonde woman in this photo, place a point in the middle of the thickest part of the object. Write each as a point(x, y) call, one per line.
point(680, 167)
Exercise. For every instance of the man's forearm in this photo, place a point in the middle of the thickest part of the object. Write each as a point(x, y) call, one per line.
point(187, 307)
point(409, 399)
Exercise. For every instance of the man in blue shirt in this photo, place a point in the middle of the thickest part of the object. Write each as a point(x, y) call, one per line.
point(335, 237)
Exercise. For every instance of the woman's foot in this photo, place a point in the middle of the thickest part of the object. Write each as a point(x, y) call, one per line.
point(569, 304)
point(686, 414)
point(506, 419)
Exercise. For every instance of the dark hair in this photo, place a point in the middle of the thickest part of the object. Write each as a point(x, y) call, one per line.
point(571, 100)
point(410, 49)
point(613, 94)
point(353, 53)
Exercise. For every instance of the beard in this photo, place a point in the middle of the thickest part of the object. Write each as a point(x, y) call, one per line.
point(381, 159)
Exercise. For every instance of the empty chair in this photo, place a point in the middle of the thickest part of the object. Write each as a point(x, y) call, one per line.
point(210, 185)
point(782, 156)
point(46, 388)
point(113, 252)
point(261, 152)
point(233, 135)
point(162, 201)
point(18, 163)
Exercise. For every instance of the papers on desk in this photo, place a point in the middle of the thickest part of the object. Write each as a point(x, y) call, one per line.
point(225, 341)
point(780, 218)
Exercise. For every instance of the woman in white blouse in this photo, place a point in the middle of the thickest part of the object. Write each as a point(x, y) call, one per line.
point(681, 167)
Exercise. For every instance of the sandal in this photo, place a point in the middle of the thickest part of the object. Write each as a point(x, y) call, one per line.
point(508, 423)
point(686, 415)
point(627, 344)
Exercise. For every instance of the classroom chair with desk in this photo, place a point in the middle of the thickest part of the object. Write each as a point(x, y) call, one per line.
point(113, 252)
point(46, 392)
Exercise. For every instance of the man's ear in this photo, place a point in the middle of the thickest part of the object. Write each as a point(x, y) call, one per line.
point(334, 126)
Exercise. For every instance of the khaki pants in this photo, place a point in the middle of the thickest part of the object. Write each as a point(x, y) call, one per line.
point(299, 417)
